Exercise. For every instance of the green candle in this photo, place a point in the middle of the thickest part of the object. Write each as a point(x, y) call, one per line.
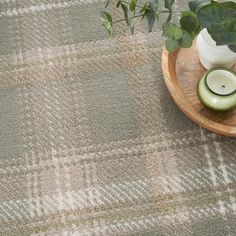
point(217, 89)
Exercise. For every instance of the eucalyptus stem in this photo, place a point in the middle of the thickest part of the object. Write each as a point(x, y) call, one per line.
point(124, 19)
point(175, 11)
point(168, 11)
point(129, 3)
point(160, 12)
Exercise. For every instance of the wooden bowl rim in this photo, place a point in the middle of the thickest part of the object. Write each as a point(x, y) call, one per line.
point(168, 62)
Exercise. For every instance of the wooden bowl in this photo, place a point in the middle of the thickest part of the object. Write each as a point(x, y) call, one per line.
point(181, 71)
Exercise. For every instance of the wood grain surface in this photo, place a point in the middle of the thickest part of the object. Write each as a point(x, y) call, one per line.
point(181, 71)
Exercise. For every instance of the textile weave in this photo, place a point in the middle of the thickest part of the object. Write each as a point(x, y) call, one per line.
point(91, 143)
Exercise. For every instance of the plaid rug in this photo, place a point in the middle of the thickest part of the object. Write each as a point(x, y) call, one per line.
point(91, 142)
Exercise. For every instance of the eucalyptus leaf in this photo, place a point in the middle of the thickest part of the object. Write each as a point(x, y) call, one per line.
point(128, 17)
point(219, 18)
point(187, 40)
point(151, 13)
point(126, 13)
point(232, 47)
point(132, 5)
point(107, 25)
point(107, 21)
point(106, 16)
point(151, 18)
point(144, 10)
point(153, 5)
point(107, 3)
point(172, 45)
point(229, 4)
point(169, 4)
point(223, 32)
point(169, 16)
point(213, 13)
point(172, 31)
point(189, 22)
point(118, 3)
point(196, 5)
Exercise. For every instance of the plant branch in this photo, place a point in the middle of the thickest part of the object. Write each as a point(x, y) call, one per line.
point(168, 11)
point(160, 12)
point(129, 3)
point(124, 19)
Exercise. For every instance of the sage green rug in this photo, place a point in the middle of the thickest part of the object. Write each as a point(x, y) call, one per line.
point(90, 141)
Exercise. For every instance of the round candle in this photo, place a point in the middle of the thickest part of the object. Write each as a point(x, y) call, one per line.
point(217, 89)
point(221, 81)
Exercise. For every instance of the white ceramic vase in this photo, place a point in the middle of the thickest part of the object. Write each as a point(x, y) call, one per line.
point(211, 55)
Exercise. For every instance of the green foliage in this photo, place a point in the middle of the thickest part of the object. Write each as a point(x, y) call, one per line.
point(169, 4)
point(187, 40)
point(229, 4)
point(232, 47)
point(220, 21)
point(153, 5)
point(172, 45)
point(107, 3)
point(215, 12)
point(132, 5)
point(218, 18)
point(106, 21)
point(176, 37)
point(151, 13)
point(189, 22)
point(172, 31)
point(196, 5)
point(128, 17)
point(118, 3)
point(224, 32)
point(144, 10)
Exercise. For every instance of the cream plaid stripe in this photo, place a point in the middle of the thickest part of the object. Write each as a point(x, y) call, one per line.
point(90, 140)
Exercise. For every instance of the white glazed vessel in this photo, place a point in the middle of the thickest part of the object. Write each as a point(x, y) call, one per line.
point(211, 55)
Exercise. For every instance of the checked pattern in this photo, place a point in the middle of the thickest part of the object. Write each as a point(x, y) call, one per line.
point(90, 141)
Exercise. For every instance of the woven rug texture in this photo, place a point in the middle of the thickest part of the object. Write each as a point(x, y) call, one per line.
point(91, 142)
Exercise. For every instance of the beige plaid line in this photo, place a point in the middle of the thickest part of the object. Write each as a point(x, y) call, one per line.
point(184, 182)
point(223, 169)
point(150, 118)
point(173, 217)
point(225, 174)
point(34, 9)
point(145, 144)
point(33, 187)
point(81, 51)
point(57, 71)
point(77, 180)
point(126, 191)
point(48, 28)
